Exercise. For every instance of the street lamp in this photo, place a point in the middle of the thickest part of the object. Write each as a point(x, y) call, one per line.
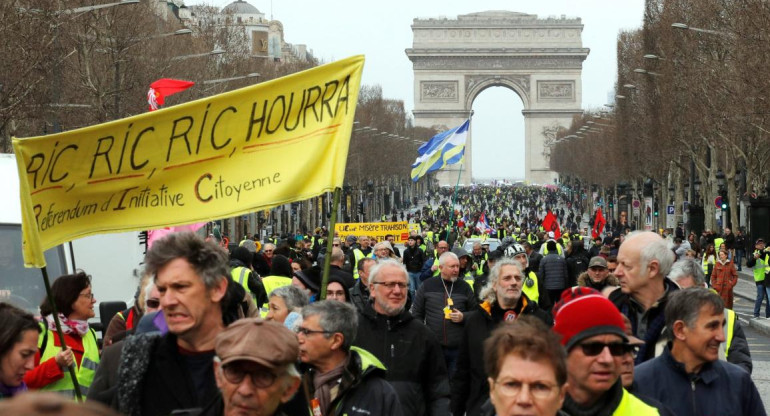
point(646, 72)
point(653, 56)
point(683, 26)
point(216, 81)
point(215, 52)
point(629, 86)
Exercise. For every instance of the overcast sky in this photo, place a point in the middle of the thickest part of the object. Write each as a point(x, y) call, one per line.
point(381, 31)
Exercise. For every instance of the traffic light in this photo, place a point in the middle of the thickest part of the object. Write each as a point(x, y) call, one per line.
point(361, 208)
point(656, 209)
point(725, 205)
point(611, 204)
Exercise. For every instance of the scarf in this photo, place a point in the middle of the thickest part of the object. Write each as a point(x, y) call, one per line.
point(326, 386)
point(7, 391)
point(68, 326)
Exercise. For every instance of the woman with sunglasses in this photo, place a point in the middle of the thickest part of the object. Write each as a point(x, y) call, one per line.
point(74, 301)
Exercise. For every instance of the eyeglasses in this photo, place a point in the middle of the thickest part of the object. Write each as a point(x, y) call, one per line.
point(304, 331)
point(88, 295)
point(617, 349)
point(513, 388)
point(335, 245)
point(260, 378)
point(267, 251)
point(392, 285)
point(152, 303)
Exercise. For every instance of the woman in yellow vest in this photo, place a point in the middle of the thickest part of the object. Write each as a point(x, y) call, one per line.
point(74, 300)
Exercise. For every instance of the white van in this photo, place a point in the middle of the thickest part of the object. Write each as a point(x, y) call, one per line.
point(113, 260)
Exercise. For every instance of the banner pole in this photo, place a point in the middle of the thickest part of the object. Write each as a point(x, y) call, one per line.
point(451, 224)
point(59, 332)
point(330, 242)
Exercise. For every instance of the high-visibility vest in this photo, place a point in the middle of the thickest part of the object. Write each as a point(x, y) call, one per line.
point(705, 264)
point(274, 282)
point(358, 254)
point(630, 405)
point(762, 266)
point(469, 279)
point(729, 331)
point(429, 236)
point(84, 372)
point(240, 275)
point(718, 242)
point(437, 271)
point(532, 239)
point(531, 291)
point(558, 249)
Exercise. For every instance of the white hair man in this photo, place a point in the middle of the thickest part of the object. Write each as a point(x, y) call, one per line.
point(409, 350)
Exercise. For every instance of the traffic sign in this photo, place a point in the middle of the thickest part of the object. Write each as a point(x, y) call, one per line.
point(718, 202)
point(670, 210)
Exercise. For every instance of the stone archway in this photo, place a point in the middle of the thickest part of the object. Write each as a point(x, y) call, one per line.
point(541, 60)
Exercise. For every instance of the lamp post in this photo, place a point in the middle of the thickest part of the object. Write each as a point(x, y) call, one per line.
point(683, 26)
point(215, 52)
point(215, 81)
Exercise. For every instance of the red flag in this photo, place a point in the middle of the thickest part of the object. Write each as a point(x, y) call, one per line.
point(599, 224)
point(550, 224)
point(164, 87)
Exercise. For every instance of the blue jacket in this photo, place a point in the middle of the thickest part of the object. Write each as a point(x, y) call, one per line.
point(720, 388)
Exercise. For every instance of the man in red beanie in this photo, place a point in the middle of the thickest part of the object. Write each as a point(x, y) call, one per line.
point(593, 333)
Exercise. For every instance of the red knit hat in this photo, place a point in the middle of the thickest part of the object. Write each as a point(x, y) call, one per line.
point(583, 313)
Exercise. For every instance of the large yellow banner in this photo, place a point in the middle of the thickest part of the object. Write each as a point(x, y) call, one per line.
point(257, 147)
point(375, 230)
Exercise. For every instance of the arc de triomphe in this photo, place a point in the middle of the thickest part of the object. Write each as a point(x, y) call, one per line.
point(541, 60)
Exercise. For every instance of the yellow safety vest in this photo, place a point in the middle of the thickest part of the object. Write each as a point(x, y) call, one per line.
point(239, 274)
point(630, 405)
point(358, 254)
point(558, 249)
point(437, 271)
point(729, 330)
point(718, 242)
point(532, 293)
point(468, 279)
point(84, 373)
point(274, 282)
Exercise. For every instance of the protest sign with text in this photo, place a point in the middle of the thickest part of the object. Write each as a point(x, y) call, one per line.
point(375, 230)
point(246, 150)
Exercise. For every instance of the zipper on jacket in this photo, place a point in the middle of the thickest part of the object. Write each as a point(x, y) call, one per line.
point(694, 407)
point(392, 351)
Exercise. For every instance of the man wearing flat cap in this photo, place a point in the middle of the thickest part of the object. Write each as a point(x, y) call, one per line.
point(593, 334)
point(254, 368)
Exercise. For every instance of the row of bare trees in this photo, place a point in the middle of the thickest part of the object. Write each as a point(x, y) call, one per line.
point(691, 95)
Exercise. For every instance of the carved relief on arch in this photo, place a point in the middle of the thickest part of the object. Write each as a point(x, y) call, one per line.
point(474, 84)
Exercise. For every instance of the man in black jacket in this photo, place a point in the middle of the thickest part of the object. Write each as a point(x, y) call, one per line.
point(405, 346)
point(414, 258)
point(644, 261)
point(342, 380)
point(441, 303)
point(160, 374)
point(503, 301)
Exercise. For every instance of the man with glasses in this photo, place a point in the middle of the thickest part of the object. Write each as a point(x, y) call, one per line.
point(690, 367)
point(342, 379)
point(409, 350)
point(593, 334)
point(254, 368)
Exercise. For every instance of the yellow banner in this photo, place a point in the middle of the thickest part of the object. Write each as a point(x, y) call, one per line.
point(375, 230)
point(246, 150)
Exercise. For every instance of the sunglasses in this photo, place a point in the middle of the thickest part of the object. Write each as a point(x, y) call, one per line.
point(152, 303)
point(617, 349)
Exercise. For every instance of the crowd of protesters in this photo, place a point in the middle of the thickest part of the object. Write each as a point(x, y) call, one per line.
point(552, 321)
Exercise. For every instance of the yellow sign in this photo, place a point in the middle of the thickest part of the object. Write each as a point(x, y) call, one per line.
point(376, 230)
point(414, 228)
point(220, 156)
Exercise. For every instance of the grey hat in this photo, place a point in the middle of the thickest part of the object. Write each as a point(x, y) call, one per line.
point(597, 261)
point(351, 239)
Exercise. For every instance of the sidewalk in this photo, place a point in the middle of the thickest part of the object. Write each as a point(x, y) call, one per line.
point(747, 289)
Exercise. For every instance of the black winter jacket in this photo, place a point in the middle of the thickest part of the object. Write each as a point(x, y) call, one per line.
point(413, 358)
point(363, 389)
point(154, 380)
point(430, 300)
point(470, 389)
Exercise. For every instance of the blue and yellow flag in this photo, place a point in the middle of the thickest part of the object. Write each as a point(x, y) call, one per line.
point(443, 149)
